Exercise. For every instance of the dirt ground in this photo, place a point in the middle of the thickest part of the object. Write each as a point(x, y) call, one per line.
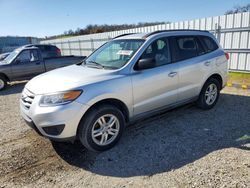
point(185, 147)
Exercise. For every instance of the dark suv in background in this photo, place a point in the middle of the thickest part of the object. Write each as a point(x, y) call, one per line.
point(47, 50)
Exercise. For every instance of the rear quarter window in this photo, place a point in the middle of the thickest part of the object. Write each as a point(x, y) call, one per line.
point(49, 51)
point(54, 48)
point(209, 44)
point(47, 48)
point(41, 48)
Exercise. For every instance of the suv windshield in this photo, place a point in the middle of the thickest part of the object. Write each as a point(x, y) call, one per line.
point(114, 54)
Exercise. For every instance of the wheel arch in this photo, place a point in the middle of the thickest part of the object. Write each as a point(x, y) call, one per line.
point(5, 76)
point(201, 100)
point(111, 101)
point(114, 102)
point(216, 76)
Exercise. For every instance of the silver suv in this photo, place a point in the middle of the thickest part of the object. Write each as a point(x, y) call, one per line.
point(126, 79)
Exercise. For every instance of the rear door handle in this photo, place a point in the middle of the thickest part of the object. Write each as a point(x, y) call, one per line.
point(207, 63)
point(172, 74)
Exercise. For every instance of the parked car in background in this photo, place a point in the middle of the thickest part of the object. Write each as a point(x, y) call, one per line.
point(3, 56)
point(47, 50)
point(126, 79)
point(28, 61)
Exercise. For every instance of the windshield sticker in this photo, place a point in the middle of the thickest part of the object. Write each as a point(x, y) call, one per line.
point(124, 52)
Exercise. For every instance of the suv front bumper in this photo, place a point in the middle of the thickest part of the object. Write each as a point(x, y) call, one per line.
point(54, 122)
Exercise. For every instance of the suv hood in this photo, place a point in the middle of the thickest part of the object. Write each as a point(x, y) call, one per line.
point(2, 62)
point(66, 78)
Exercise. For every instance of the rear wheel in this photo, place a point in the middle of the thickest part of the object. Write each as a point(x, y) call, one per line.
point(3, 82)
point(102, 128)
point(209, 94)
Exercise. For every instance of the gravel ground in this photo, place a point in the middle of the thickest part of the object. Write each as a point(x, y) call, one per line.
point(185, 147)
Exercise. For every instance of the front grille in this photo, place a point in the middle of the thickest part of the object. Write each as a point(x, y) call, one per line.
point(27, 98)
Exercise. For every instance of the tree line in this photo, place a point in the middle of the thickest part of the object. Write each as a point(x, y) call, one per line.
point(94, 28)
point(239, 9)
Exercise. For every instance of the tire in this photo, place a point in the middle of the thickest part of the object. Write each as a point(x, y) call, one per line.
point(3, 82)
point(91, 125)
point(202, 102)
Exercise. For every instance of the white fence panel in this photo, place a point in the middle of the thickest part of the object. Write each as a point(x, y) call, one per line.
point(232, 31)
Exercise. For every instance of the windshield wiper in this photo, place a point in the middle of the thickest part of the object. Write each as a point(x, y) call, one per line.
point(110, 67)
point(95, 64)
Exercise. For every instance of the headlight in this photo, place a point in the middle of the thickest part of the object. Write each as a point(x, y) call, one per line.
point(59, 98)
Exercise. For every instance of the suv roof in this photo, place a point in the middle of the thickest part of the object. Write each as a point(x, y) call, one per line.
point(146, 35)
point(30, 45)
point(27, 48)
point(33, 46)
point(175, 30)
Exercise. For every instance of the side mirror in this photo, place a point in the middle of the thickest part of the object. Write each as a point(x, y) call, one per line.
point(145, 63)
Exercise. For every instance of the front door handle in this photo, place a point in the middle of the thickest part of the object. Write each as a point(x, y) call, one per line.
point(172, 74)
point(207, 63)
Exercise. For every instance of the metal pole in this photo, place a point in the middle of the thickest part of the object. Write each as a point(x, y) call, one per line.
point(92, 45)
point(218, 32)
point(80, 47)
point(69, 48)
point(62, 50)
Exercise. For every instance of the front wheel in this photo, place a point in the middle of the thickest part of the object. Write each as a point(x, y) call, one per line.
point(209, 94)
point(3, 82)
point(101, 128)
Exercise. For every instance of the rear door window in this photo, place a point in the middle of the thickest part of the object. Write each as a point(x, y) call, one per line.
point(187, 47)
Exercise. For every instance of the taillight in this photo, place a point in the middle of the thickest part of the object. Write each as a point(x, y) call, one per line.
point(227, 55)
point(58, 51)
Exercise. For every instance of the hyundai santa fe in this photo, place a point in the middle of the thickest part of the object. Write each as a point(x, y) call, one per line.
point(126, 79)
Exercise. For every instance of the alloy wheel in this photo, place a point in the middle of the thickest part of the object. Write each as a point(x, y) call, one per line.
point(1, 84)
point(211, 94)
point(105, 129)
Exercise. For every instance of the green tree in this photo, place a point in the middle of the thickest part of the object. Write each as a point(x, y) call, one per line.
point(239, 9)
